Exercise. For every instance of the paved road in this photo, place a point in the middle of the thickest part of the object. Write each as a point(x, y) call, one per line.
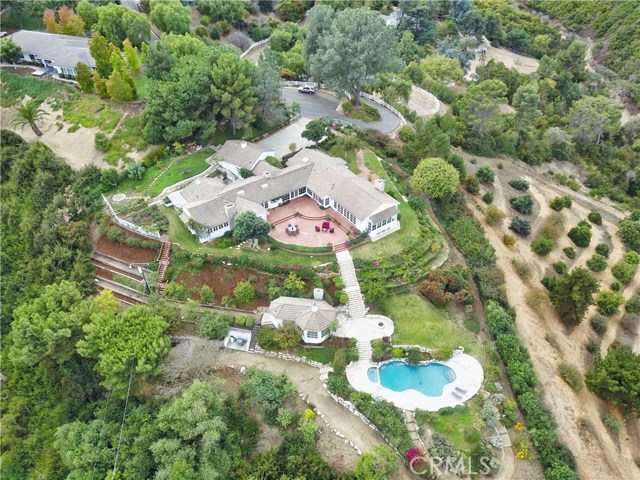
point(322, 104)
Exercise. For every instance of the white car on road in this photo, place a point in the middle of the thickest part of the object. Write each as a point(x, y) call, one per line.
point(307, 89)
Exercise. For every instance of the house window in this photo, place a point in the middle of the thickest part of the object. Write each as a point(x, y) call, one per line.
point(325, 332)
point(325, 201)
point(286, 197)
point(382, 223)
point(302, 191)
point(311, 334)
point(345, 213)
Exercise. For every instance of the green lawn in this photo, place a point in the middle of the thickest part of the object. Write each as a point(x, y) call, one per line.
point(142, 86)
point(16, 87)
point(323, 355)
point(458, 426)
point(181, 170)
point(90, 111)
point(394, 243)
point(348, 155)
point(179, 234)
point(130, 185)
point(418, 322)
point(372, 163)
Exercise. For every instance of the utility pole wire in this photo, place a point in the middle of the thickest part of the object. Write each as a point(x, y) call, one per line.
point(124, 416)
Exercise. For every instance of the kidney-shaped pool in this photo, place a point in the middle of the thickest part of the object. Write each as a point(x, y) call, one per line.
point(398, 376)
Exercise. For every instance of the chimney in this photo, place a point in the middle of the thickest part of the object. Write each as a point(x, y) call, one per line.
point(314, 307)
point(266, 174)
point(318, 294)
point(243, 144)
point(230, 210)
point(379, 184)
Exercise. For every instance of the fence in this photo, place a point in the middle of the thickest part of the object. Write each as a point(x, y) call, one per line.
point(128, 225)
point(253, 46)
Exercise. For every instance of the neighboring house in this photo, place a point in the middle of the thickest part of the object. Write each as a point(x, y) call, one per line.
point(237, 154)
point(61, 52)
point(392, 19)
point(208, 206)
point(313, 317)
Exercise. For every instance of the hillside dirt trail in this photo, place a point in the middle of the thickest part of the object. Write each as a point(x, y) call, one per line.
point(577, 413)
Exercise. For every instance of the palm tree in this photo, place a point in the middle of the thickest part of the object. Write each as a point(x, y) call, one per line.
point(28, 114)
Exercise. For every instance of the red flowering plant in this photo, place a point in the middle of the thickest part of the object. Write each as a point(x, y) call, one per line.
point(448, 285)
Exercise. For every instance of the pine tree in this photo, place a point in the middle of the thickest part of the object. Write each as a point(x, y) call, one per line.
point(83, 77)
point(131, 55)
point(268, 84)
point(118, 88)
point(232, 89)
point(99, 49)
point(100, 84)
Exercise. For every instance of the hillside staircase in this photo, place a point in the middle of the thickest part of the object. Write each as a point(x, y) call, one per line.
point(355, 305)
point(254, 337)
point(412, 426)
point(364, 350)
point(163, 265)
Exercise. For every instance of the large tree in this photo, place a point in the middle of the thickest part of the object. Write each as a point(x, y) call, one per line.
point(170, 16)
point(89, 13)
point(425, 140)
point(101, 53)
point(616, 378)
point(435, 177)
point(83, 77)
point(316, 130)
point(247, 225)
point(268, 85)
point(525, 101)
point(117, 22)
point(318, 22)
point(10, 51)
point(28, 114)
point(591, 119)
point(480, 109)
point(357, 46)
point(572, 295)
point(232, 89)
point(120, 341)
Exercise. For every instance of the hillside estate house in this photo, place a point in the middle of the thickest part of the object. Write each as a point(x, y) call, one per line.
point(311, 315)
point(60, 52)
point(208, 205)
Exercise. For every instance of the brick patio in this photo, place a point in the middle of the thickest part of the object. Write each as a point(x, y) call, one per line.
point(307, 235)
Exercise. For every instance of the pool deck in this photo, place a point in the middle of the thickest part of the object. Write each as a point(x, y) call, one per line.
point(469, 377)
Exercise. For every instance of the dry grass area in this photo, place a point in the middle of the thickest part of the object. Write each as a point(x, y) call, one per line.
point(598, 454)
point(521, 63)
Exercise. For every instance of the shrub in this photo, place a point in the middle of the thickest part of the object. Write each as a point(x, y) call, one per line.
point(443, 286)
point(593, 345)
point(609, 302)
point(580, 235)
point(560, 267)
point(340, 361)
point(611, 423)
point(215, 325)
point(377, 350)
point(570, 252)
point(442, 354)
point(603, 249)
point(597, 263)
point(521, 226)
point(549, 282)
point(244, 292)
point(177, 290)
point(101, 142)
point(542, 246)
point(522, 268)
point(615, 286)
point(632, 258)
point(508, 240)
point(599, 323)
point(571, 375)
point(489, 414)
point(552, 227)
point(494, 215)
point(206, 294)
point(624, 272)
point(471, 185)
point(414, 356)
point(558, 203)
point(519, 184)
point(485, 174)
point(488, 197)
point(522, 204)
point(633, 304)
point(595, 217)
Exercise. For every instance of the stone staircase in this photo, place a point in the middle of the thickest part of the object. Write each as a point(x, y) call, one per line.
point(163, 265)
point(254, 337)
point(412, 426)
point(364, 350)
point(355, 305)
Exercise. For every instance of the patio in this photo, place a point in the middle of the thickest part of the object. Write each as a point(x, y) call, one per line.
point(309, 218)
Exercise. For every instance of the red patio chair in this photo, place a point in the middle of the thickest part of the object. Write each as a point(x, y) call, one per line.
point(331, 230)
point(325, 225)
point(317, 228)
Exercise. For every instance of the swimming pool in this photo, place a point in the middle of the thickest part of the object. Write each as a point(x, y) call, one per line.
point(398, 376)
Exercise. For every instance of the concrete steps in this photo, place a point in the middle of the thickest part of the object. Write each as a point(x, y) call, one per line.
point(364, 350)
point(254, 337)
point(355, 305)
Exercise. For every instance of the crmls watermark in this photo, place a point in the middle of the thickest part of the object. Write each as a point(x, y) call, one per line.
point(433, 466)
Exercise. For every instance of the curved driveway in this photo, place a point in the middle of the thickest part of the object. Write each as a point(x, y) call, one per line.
point(322, 104)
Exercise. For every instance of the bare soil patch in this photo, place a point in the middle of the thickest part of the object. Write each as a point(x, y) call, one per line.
point(125, 252)
point(521, 63)
point(222, 279)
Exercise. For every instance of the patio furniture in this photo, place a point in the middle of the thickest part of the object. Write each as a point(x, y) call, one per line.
point(331, 230)
point(456, 395)
point(460, 390)
point(325, 225)
point(317, 228)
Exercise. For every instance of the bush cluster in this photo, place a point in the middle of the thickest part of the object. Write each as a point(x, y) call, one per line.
point(542, 246)
point(521, 226)
point(519, 184)
point(522, 204)
point(559, 203)
point(597, 263)
point(580, 235)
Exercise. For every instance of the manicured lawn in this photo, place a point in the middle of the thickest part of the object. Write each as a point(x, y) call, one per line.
point(372, 163)
point(348, 155)
point(418, 322)
point(323, 355)
point(179, 234)
point(181, 170)
point(130, 185)
point(394, 243)
point(458, 426)
point(16, 86)
point(142, 85)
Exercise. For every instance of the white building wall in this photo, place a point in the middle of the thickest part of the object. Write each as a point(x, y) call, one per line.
point(320, 338)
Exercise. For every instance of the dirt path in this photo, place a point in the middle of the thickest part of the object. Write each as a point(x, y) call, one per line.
point(577, 413)
point(307, 380)
point(364, 171)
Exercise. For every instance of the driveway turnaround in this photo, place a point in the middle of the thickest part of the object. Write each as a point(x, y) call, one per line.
point(279, 142)
point(321, 104)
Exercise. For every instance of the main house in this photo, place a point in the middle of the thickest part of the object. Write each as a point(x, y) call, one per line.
point(61, 52)
point(313, 316)
point(208, 205)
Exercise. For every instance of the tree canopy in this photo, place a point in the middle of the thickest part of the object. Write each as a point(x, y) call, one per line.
point(248, 225)
point(572, 295)
point(435, 177)
point(616, 378)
